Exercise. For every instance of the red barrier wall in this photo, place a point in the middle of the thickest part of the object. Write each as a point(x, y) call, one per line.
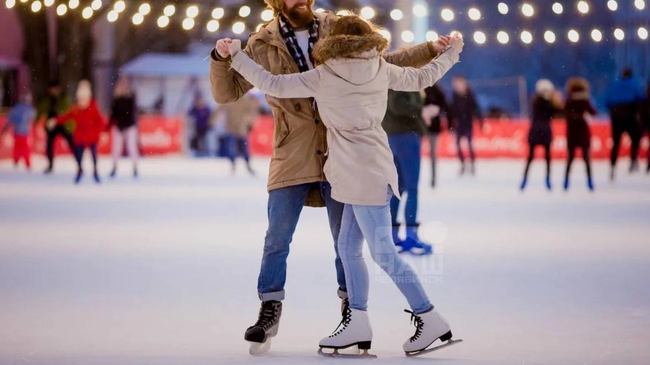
point(158, 135)
point(499, 139)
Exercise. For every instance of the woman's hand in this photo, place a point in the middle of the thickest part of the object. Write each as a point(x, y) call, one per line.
point(457, 42)
point(234, 47)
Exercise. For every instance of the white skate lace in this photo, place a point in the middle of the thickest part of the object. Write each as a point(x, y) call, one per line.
point(417, 321)
point(347, 316)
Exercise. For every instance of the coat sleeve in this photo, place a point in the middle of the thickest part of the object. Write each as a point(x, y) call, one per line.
point(227, 85)
point(414, 79)
point(299, 85)
point(66, 116)
point(416, 56)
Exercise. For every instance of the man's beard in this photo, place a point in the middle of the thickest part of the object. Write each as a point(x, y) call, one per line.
point(300, 19)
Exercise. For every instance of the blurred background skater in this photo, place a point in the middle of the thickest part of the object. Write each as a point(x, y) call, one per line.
point(435, 105)
point(124, 125)
point(645, 120)
point(578, 110)
point(623, 99)
point(404, 125)
point(240, 118)
point(20, 119)
point(88, 125)
point(55, 103)
point(545, 104)
point(200, 116)
point(464, 110)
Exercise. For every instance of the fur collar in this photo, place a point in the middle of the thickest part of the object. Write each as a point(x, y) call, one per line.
point(347, 46)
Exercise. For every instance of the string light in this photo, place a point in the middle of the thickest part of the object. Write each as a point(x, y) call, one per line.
point(366, 13)
point(238, 27)
point(527, 10)
point(168, 11)
point(583, 7)
point(163, 21)
point(479, 37)
point(549, 37)
point(119, 6)
point(558, 8)
point(619, 34)
point(640, 4)
point(10, 4)
point(503, 8)
point(573, 36)
point(96, 4)
point(642, 33)
point(36, 6)
point(267, 15)
point(73, 4)
point(396, 15)
point(144, 9)
point(526, 37)
point(244, 11)
point(432, 36)
point(137, 18)
point(385, 33)
point(474, 14)
point(219, 13)
point(503, 37)
point(192, 12)
point(420, 11)
point(612, 5)
point(408, 36)
point(87, 13)
point(188, 23)
point(213, 26)
point(259, 27)
point(343, 13)
point(596, 35)
point(447, 15)
point(48, 3)
point(61, 10)
point(112, 16)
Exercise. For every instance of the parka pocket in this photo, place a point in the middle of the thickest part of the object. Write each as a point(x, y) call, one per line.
point(280, 130)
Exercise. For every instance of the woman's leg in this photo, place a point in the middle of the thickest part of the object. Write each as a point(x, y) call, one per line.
point(433, 153)
point(568, 167)
point(350, 247)
point(375, 224)
point(116, 147)
point(132, 147)
point(531, 151)
point(547, 157)
point(586, 155)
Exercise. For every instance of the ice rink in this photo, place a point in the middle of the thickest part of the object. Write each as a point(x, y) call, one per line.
point(163, 270)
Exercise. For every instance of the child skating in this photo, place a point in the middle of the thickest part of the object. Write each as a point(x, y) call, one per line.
point(350, 87)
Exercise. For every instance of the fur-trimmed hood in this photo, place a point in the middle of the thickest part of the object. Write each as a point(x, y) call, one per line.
point(348, 46)
point(353, 58)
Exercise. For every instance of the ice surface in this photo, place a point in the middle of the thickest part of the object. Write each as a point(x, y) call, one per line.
point(163, 270)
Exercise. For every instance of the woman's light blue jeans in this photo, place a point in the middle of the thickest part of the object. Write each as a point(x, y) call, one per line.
point(374, 224)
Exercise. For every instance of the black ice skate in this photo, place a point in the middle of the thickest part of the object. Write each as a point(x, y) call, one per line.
point(259, 335)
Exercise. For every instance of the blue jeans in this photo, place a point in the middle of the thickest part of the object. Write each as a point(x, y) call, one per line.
point(373, 224)
point(284, 209)
point(236, 146)
point(406, 154)
point(467, 134)
point(79, 154)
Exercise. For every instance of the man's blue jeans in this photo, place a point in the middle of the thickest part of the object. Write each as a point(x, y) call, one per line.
point(284, 208)
point(406, 154)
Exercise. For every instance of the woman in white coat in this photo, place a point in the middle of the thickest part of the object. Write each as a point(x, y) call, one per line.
point(350, 87)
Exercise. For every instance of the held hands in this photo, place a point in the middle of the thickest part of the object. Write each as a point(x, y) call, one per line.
point(456, 41)
point(441, 44)
point(228, 47)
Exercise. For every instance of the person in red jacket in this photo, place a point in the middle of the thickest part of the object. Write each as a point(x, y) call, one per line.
point(89, 124)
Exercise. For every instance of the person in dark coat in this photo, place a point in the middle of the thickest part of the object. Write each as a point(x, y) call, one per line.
point(578, 108)
point(623, 100)
point(54, 104)
point(200, 115)
point(435, 106)
point(464, 110)
point(405, 128)
point(545, 104)
point(124, 123)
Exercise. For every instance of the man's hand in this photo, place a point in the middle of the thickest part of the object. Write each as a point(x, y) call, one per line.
point(234, 47)
point(441, 44)
point(50, 124)
point(457, 42)
point(222, 47)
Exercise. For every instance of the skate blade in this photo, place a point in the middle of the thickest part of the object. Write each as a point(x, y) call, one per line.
point(259, 348)
point(432, 349)
point(360, 354)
